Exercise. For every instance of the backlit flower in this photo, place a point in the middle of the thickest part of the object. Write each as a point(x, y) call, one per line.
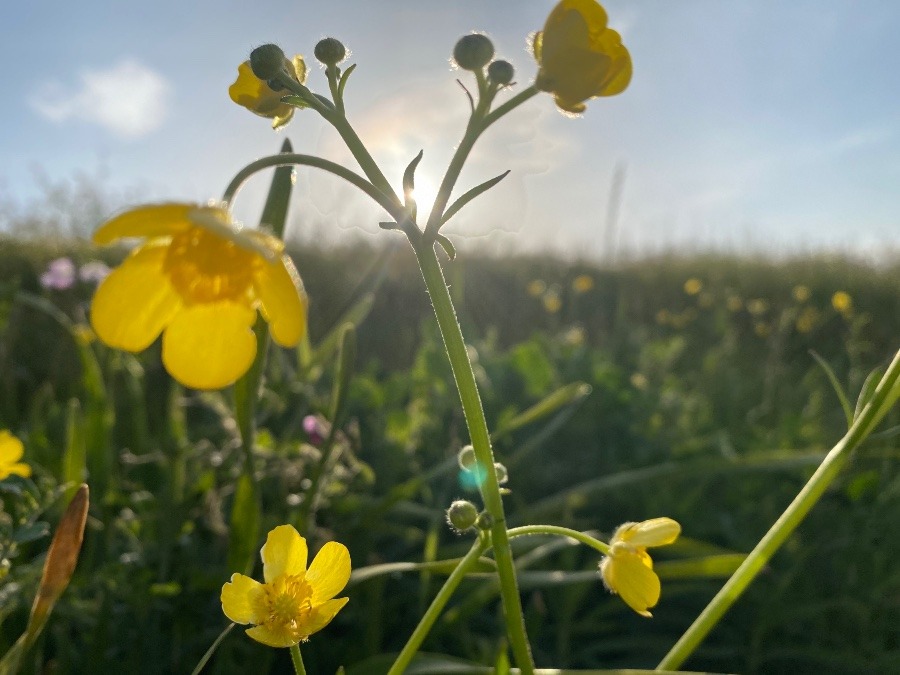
point(11, 451)
point(579, 57)
point(628, 569)
point(294, 602)
point(258, 97)
point(198, 279)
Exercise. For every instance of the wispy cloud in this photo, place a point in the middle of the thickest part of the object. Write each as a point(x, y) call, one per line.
point(129, 99)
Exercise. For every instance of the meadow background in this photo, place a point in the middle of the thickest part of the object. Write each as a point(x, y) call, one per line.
point(679, 385)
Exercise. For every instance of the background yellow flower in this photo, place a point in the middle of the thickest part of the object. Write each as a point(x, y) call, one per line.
point(198, 280)
point(294, 602)
point(11, 451)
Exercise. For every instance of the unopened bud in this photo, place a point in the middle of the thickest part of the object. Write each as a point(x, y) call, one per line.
point(267, 61)
point(485, 521)
point(501, 72)
point(502, 473)
point(466, 458)
point(473, 51)
point(462, 515)
point(330, 51)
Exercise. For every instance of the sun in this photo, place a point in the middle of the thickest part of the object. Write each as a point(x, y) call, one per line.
point(424, 193)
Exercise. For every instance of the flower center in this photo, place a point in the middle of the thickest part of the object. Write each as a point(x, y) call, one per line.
point(205, 267)
point(286, 603)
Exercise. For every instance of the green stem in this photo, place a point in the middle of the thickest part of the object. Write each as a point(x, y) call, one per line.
point(209, 652)
point(835, 460)
point(384, 200)
point(338, 120)
point(581, 537)
point(480, 438)
point(297, 660)
point(437, 606)
point(480, 120)
point(511, 104)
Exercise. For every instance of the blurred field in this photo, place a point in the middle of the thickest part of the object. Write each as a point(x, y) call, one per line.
point(704, 405)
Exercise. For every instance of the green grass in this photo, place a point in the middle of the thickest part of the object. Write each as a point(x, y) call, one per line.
point(699, 410)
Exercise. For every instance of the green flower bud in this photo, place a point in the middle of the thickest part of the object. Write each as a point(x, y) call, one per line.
point(267, 61)
point(502, 473)
point(330, 51)
point(462, 515)
point(466, 458)
point(501, 72)
point(473, 51)
point(485, 521)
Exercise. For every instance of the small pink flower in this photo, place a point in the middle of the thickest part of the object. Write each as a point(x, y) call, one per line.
point(316, 429)
point(60, 274)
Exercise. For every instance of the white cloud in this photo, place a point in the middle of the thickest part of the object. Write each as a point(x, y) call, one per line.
point(128, 99)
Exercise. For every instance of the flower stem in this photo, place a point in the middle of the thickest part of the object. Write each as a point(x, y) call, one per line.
point(884, 397)
point(284, 158)
point(437, 605)
point(297, 660)
point(480, 120)
point(480, 438)
point(580, 537)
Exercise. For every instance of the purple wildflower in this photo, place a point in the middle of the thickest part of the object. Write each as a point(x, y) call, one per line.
point(60, 274)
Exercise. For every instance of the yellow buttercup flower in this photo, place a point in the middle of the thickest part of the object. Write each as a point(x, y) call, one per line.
point(258, 97)
point(582, 283)
point(842, 302)
point(628, 570)
point(294, 602)
point(11, 451)
point(693, 286)
point(198, 279)
point(579, 57)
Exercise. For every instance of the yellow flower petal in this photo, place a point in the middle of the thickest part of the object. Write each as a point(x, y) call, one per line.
point(329, 571)
point(322, 615)
point(11, 448)
point(258, 97)
point(271, 636)
point(654, 532)
point(632, 577)
point(152, 220)
point(135, 302)
point(580, 58)
point(283, 300)
point(209, 346)
point(239, 597)
point(283, 553)
point(19, 469)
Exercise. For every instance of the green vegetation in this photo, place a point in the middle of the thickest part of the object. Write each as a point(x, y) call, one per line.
point(703, 403)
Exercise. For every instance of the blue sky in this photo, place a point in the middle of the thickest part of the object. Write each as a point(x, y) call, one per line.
point(763, 125)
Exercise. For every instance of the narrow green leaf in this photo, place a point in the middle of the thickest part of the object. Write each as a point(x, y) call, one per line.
point(355, 315)
point(275, 211)
point(564, 396)
point(246, 517)
point(868, 390)
point(836, 385)
point(447, 245)
point(344, 77)
point(470, 195)
point(443, 567)
point(345, 367)
point(74, 461)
